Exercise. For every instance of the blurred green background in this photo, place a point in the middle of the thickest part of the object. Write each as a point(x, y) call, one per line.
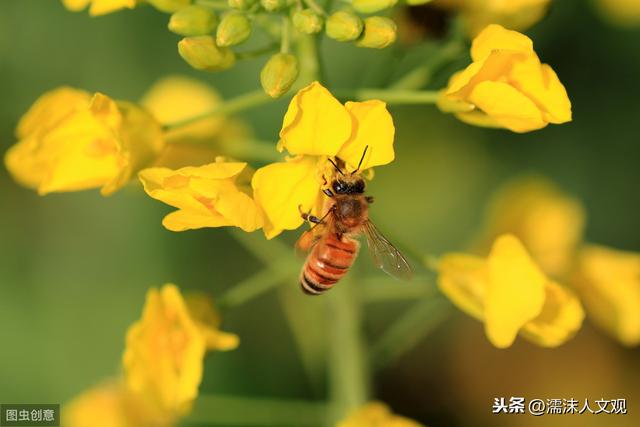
point(74, 268)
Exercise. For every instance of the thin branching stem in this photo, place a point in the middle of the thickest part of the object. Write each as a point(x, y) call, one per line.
point(407, 331)
point(230, 106)
point(390, 96)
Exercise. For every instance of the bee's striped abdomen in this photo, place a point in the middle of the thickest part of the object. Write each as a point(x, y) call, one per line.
point(327, 263)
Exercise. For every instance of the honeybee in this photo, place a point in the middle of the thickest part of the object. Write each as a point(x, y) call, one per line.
point(330, 243)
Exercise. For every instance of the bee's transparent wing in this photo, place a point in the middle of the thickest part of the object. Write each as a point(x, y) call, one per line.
point(385, 255)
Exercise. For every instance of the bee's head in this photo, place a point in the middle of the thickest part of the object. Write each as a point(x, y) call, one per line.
point(348, 184)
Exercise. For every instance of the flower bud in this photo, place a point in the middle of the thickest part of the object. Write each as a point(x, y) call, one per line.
point(344, 26)
point(202, 53)
point(272, 5)
point(169, 6)
point(379, 32)
point(241, 4)
point(233, 29)
point(307, 21)
point(193, 21)
point(371, 6)
point(279, 74)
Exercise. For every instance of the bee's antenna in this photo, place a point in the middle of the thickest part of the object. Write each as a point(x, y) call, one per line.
point(361, 159)
point(336, 166)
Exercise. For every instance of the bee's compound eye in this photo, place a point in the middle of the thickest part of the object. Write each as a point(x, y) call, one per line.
point(359, 187)
point(339, 186)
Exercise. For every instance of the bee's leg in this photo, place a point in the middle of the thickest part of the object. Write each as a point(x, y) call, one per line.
point(328, 192)
point(308, 217)
point(369, 199)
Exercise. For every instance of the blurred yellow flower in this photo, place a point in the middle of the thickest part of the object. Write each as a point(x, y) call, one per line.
point(315, 127)
point(549, 222)
point(512, 14)
point(176, 98)
point(608, 281)
point(506, 86)
point(99, 7)
point(511, 295)
point(111, 404)
point(621, 12)
point(376, 414)
point(165, 350)
point(213, 195)
point(70, 140)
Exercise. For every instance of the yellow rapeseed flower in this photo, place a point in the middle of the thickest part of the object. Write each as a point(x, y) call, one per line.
point(99, 7)
point(506, 85)
point(549, 222)
point(317, 126)
point(112, 404)
point(165, 349)
point(620, 12)
point(213, 195)
point(608, 281)
point(376, 414)
point(70, 140)
point(511, 295)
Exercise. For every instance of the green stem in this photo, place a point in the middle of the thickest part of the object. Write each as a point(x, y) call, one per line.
point(252, 287)
point(248, 149)
point(421, 75)
point(230, 106)
point(307, 50)
point(382, 289)
point(242, 411)
point(407, 331)
point(286, 35)
point(390, 96)
point(257, 53)
point(348, 370)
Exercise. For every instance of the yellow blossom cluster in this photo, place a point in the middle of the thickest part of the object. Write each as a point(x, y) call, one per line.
point(162, 364)
point(536, 279)
point(316, 126)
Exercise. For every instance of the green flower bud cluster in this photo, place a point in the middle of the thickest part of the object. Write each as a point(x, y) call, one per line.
point(375, 32)
point(211, 29)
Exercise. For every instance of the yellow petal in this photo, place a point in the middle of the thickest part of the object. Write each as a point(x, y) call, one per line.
point(561, 317)
point(608, 282)
point(50, 109)
point(83, 153)
point(507, 106)
point(102, 7)
point(315, 123)
point(463, 279)
point(279, 188)
point(206, 196)
point(516, 291)
point(496, 37)
point(373, 128)
point(541, 84)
